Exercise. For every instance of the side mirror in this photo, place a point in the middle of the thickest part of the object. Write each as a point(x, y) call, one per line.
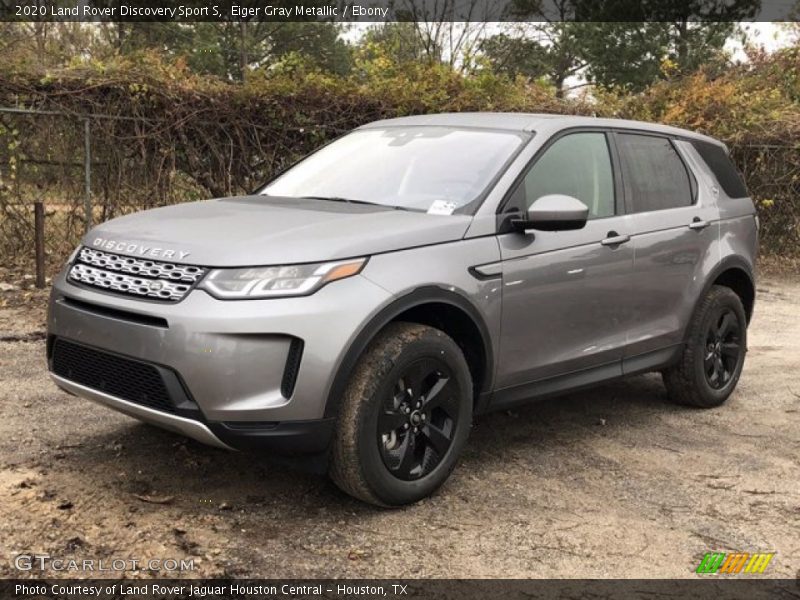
point(554, 212)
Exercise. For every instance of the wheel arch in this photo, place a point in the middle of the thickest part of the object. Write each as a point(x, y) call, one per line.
point(444, 309)
point(736, 274)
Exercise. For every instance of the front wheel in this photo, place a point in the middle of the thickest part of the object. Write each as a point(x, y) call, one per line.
point(713, 356)
point(404, 418)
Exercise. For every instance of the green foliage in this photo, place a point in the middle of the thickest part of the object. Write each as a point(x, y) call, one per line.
point(668, 39)
point(517, 56)
point(635, 55)
point(538, 50)
point(398, 42)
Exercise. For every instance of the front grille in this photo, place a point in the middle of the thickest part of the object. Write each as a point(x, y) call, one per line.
point(134, 276)
point(112, 374)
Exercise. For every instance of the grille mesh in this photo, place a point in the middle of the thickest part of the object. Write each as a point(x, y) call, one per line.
point(127, 284)
point(134, 276)
point(114, 375)
point(137, 266)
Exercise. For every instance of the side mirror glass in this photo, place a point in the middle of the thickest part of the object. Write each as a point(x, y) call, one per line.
point(554, 212)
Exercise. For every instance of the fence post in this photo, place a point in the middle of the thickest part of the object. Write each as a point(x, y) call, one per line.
point(87, 168)
point(38, 226)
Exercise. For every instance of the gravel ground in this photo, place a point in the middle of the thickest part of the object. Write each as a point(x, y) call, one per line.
point(612, 482)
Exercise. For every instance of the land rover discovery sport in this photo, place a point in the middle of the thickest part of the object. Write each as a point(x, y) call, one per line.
point(369, 301)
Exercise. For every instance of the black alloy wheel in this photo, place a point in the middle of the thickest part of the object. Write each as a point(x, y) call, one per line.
point(723, 348)
point(416, 425)
point(404, 417)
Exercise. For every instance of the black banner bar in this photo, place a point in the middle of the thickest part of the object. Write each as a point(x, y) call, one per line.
point(398, 10)
point(716, 587)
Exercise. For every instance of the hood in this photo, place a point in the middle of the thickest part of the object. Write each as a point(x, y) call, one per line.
point(261, 230)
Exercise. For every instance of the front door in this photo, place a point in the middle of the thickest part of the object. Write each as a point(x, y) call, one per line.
point(565, 301)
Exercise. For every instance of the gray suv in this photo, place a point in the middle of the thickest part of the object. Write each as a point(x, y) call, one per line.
point(372, 298)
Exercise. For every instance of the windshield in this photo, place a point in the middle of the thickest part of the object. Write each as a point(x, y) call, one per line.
point(433, 169)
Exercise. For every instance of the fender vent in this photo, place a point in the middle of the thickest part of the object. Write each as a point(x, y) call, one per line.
point(292, 367)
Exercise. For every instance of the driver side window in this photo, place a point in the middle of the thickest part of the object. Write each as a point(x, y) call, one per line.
point(577, 165)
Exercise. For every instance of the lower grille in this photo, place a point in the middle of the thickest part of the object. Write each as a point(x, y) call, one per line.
point(115, 375)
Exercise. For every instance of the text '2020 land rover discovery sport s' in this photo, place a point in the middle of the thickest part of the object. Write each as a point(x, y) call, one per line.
point(366, 303)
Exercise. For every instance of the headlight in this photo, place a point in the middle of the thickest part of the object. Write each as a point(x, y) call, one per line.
point(270, 282)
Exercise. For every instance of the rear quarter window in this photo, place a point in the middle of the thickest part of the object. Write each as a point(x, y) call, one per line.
point(721, 165)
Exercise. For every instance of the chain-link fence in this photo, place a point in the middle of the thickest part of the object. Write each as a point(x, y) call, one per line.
point(85, 169)
point(33, 170)
point(772, 173)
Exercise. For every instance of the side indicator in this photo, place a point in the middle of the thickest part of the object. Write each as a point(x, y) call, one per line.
point(488, 271)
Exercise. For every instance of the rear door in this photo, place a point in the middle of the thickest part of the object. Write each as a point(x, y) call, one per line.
point(674, 223)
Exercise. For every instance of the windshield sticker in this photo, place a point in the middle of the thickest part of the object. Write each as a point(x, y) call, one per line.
point(442, 207)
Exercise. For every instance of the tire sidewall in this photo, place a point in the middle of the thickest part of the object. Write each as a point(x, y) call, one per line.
point(386, 487)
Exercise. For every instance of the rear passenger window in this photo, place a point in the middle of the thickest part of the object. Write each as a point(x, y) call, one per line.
point(576, 165)
point(655, 176)
point(720, 164)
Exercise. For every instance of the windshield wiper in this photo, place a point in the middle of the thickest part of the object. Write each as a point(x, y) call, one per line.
point(352, 201)
point(340, 199)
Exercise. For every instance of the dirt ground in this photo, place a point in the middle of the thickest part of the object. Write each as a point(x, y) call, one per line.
point(613, 482)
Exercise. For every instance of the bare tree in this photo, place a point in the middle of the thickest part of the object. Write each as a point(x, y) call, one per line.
point(449, 31)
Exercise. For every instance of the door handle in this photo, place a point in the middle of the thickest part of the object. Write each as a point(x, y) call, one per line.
point(698, 224)
point(615, 239)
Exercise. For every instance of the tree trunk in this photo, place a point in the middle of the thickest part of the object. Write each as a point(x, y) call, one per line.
point(243, 60)
point(559, 76)
point(681, 45)
point(560, 90)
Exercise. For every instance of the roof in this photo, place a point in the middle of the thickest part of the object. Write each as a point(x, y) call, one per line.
point(528, 122)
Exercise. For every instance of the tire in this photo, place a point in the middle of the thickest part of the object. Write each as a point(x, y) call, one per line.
point(383, 454)
point(713, 357)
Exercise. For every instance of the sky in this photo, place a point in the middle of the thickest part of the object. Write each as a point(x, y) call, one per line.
point(770, 35)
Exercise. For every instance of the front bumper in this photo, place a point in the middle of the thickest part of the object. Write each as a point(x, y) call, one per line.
point(232, 358)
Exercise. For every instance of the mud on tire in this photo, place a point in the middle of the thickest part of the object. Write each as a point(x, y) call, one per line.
point(404, 417)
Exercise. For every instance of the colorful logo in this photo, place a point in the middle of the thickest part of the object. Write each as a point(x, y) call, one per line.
point(734, 562)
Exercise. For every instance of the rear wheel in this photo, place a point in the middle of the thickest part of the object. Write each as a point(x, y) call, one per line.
point(405, 416)
point(713, 357)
